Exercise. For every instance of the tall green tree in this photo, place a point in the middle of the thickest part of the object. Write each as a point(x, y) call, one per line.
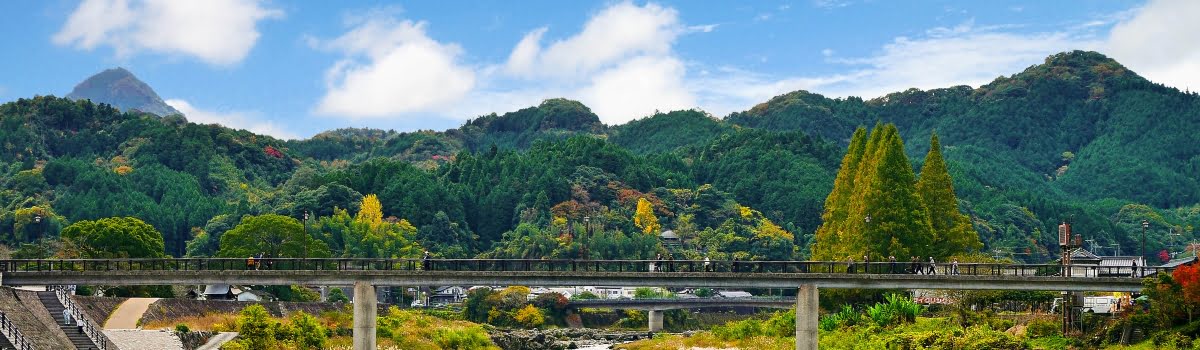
point(123, 237)
point(899, 222)
point(837, 204)
point(275, 236)
point(952, 231)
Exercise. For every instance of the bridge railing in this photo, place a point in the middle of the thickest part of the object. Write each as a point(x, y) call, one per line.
point(566, 265)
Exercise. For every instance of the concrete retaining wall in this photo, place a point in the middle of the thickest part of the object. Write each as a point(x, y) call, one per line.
point(25, 310)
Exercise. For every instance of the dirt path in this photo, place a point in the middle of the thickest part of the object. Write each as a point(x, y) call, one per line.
point(128, 313)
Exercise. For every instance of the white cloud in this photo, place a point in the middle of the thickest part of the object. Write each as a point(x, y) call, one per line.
point(218, 32)
point(1158, 42)
point(948, 57)
point(390, 68)
point(233, 119)
point(637, 88)
point(611, 37)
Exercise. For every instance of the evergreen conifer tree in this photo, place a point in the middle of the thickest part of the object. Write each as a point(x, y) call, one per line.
point(899, 224)
point(952, 230)
point(838, 203)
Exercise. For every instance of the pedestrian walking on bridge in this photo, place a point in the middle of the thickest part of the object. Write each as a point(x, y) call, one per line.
point(932, 266)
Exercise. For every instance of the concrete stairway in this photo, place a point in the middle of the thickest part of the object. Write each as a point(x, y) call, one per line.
point(78, 338)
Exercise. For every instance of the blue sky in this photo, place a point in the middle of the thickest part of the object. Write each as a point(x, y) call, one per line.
point(293, 69)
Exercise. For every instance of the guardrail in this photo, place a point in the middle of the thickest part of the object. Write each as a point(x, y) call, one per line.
point(13, 334)
point(560, 265)
point(96, 334)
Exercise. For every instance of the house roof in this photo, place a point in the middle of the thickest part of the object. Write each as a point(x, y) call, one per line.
point(1179, 262)
point(1081, 253)
point(668, 234)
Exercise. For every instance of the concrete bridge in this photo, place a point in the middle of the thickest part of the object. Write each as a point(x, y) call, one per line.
point(655, 307)
point(365, 274)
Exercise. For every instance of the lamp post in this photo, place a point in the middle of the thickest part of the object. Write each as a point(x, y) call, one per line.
point(587, 231)
point(37, 221)
point(1145, 225)
point(304, 222)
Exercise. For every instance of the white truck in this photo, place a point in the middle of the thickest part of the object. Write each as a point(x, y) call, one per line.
point(1097, 305)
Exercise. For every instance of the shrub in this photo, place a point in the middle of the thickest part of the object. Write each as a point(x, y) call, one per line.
point(308, 332)
point(337, 296)
point(530, 316)
point(845, 318)
point(181, 328)
point(470, 338)
point(1043, 328)
point(255, 328)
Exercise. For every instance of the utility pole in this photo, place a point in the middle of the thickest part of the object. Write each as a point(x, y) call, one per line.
point(1145, 225)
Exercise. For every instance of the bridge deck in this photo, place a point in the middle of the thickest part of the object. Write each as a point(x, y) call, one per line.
point(722, 274)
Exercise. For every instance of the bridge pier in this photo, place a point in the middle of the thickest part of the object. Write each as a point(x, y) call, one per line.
point(806, 317)
point(365, 304)
point(656, 320)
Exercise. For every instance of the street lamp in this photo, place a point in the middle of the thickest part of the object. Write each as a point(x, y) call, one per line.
point(587, 231)
point(1145, 225)
point(304, 222)
point(37, 220)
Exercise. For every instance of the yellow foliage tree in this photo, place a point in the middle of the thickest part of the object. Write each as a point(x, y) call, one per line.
point(530, 316)
point(644, 217)
point(123, 170)
point(370, 211)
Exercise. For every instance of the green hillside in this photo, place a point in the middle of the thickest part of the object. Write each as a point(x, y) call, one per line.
point(1078, 138)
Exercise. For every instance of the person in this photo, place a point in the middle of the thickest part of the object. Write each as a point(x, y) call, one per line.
point(932, 266)
point(707, 265)
point(866, 264)
point(67, 316)
point(850, 267)
point(735, 264)
point(425, 261)
point(892, 263)
point(914, 266)
point(1135, 270)
point(250, 262)
point(954, 267)
point(258, 260)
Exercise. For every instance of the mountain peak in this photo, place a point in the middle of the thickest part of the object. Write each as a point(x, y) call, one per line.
point(120, 88)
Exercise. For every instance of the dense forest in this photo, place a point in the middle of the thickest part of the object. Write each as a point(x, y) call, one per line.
point(1078, 138)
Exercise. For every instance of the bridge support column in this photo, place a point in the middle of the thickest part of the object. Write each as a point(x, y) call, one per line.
point(806, 317)
point(364, 316)
point(656, 320)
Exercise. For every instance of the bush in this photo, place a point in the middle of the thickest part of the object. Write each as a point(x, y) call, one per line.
point(255, 329)
point(337, 296)
point(530, 316)
point(1043, 328)
point(308, 332)
point(780, 325)
point(181, 328)
point(845, 318)
point(473, 338)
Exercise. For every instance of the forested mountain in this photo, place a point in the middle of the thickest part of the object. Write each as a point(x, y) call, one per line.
point(1078, 138)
